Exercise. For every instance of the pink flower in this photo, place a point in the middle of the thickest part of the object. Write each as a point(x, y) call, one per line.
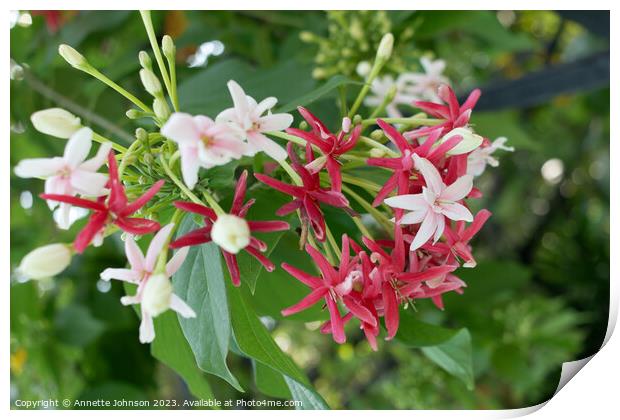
point(455, 115)
point(70, 174)
point(202, 143)
point(331, 145)
point(154, 291)
point(333, 285)
point(478, 160)
point(113, 209)
point(239, 209)
point(436, 202)
point(306, 197)
point(246, 118)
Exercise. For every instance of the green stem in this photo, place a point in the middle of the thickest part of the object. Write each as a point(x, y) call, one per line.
point(363, 230)
point(126, 155)
point(332, 242)
point(148, 25)
point(369, 186)
point(105, 79)
point(100, 139)
point(374, 72)
point(375, 144)
point(173, 83)
point(213, 203)
point(178, 182)
point(415, 120)
point(376, 214)
point(294, 176)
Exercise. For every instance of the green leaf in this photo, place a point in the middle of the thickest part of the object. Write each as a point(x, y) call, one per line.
point(171, 348)
point(454, 356)
point(206, 93)
point(270, 382)
point(200, 282)
point(255, 341)
point(504, 124)
point(448, 348)
point(317, 93)
point(76, 325)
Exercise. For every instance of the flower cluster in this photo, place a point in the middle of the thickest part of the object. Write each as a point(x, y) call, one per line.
point(421, 228)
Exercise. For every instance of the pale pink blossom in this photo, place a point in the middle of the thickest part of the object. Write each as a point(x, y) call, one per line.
point(247, 119)
point(202, 143)
point(70, 174)
point(157, 297)
point(436, 202)
point(478, 160)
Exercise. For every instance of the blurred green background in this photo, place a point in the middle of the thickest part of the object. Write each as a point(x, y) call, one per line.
point(539, 296)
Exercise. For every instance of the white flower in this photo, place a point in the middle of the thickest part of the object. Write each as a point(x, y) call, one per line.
point(436, 202)
point(56, 122)
point(410, 87)
point(70, 174)
point(231, 233)
point(154, 289)
point(480, 158)
point(46, 261)
point(246, 118)
point(202, 143)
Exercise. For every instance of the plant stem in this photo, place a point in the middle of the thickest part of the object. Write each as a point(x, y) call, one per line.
point(375, 144)
point(178, 182)
point(363, 230)
point(415, 120)
point(376, 214)
point(148, 25)
point(100, 139)
point(332, 242)
point(105, 79)
point(294, 176)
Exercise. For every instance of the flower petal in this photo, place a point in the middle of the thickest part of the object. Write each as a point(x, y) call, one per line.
point(275, 122)
point(180, 128)
point(122, 274)
point(176, 261)
point(179, 306)
point(155, 247)
point(414, 202)
point(456, 211)
point(459, 189)
point(78, 146)
point(426, 230)
point(306, 302)
point(147, 330)
point(134, 254)
point(89, 183)
point(39, 168)
point(271, 148)
point(430, 174)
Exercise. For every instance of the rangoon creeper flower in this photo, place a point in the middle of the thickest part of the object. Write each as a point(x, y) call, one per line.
point(202, 143)
point(246, 118)
point(436, 202)
point(45, 262)
point(154, 293)
point(478, 160)
point(470, 141)
point(231, 233)
point(70, 174)
point(56, 122)
point(409, 87)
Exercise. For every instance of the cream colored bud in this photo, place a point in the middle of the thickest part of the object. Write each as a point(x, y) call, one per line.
point(363, 68)
point(157, 294)
point(385, 47)
point(45, 262)
point(56, 122)
point(161, 109)
point(377, 152)
point(72, 57)
point(150, 82)
point(167, 47)
point(469, 142)
point(231, 233)
point(145, 60)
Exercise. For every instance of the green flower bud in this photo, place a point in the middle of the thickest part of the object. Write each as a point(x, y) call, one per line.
point(376, 135)
point(71, 56)
point(145, 60)
point(151, 82)
point(385, 47)
point(168, 48)
point(162, 111)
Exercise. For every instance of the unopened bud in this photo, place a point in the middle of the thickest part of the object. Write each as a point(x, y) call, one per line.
point(231, 233)
point(346, 124)
point(150, 82)
point(45, 262)
point(376, 134)
point(145, 60)
point(307, 36)
point(157, 294)
point(168, 48)
point(56, 122)
point(161, 109)
point(357, 119)
point(363, 68)
point(469, 142)
point(72, 57)
point(133, 114)
point(385, 47)
point(142, 135)
point(377, 152)
point(303, 125)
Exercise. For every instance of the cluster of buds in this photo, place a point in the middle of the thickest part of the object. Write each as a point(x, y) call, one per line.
point(422, 223)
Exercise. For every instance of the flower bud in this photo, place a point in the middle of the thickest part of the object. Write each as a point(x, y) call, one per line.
point(231, 233)
point(71, 56)
point(150, 82)
point(346, 124)
point(161, 109)
point(46, 261)
point(385, 47)
point(56, 122)
point(363, 68)
point(134, 114)
point(145, 60)
point(470, 141)
point(157, 294)
point(377, 152)
point(168, 48)
point(376, 134)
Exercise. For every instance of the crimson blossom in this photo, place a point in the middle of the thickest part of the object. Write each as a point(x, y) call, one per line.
point(253, 246)
point(111, 209)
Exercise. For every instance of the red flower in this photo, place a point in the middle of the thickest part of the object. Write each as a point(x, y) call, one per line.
point(455, 115)
point(331, 145)
point(403, 166)
point(333, 285)
point(111, 209)
point(53, 18)
point(306, 197)
point(203, 235)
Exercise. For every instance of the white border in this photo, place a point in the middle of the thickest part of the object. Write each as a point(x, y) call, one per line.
point(594, 391)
